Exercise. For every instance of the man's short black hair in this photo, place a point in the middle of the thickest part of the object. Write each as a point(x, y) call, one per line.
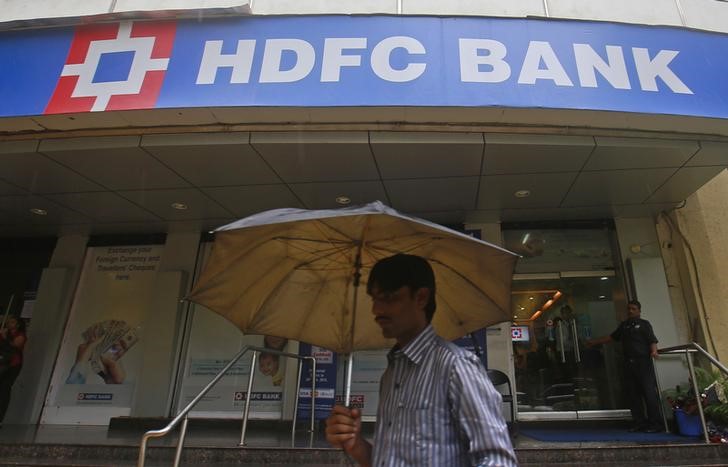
point(392, 273)
point(635, 303)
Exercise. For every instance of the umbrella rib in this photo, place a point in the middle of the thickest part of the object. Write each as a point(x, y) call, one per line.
point(277, 287)
point(332, 251)
point(471, 283)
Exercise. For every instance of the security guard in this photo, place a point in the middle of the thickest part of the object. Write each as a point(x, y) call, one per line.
point(639, 346)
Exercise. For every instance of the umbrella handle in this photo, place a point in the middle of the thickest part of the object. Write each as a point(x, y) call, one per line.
point(347, 383)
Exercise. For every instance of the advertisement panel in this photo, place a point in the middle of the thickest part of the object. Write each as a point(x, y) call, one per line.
point(325, 382)
point(99, 358)
point(213, 342)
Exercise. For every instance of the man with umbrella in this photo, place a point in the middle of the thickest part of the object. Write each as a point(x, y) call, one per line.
point(437, 406)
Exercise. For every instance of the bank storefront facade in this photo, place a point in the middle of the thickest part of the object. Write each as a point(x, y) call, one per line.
point(125, 140)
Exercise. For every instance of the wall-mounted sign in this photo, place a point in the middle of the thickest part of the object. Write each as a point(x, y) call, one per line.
point(325, 61)
point(520, 334)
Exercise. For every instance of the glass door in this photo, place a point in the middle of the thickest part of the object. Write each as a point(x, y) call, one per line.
point(557, 376)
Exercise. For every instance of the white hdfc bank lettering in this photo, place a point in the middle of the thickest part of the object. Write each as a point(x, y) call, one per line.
point(333, 60)
point(480, 61)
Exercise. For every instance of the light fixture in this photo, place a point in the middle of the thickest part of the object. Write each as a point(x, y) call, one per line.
point(343, 200)
point(179, 206)
point(39, 211)
point(522, 193)
point(604, 278)
point(602, 297)
point(530, 298)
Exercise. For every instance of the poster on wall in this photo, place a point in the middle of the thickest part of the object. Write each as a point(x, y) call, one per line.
point(325, 382)
point(213, 342)
point(99, 359)
point(367, 369)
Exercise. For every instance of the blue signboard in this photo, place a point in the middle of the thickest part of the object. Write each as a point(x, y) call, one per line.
point(325, 382)
point(330, 61)
point(476, 343)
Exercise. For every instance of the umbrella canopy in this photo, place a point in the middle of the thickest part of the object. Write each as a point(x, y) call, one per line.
point(302, 274)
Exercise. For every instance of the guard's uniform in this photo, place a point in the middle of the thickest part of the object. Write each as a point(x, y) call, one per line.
point(636, 335)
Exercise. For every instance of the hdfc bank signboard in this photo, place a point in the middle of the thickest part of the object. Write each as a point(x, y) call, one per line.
point(329, 61)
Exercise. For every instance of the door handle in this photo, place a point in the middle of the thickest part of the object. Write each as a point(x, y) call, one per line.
point(577, 351)
point(561, 341)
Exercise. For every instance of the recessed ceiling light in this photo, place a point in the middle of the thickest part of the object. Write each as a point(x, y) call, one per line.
point(39, 211)
point(179, 206)
point(343, 200)
point(530, 298)
point(602, 297)
point(522, 193)
point(604, 278)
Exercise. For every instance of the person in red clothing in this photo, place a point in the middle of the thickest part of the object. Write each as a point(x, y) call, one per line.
point(12, 339)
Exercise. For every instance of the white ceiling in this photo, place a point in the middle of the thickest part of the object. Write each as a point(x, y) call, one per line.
point(127, 184)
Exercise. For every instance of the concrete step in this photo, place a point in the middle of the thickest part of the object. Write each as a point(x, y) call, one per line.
point(122, 456)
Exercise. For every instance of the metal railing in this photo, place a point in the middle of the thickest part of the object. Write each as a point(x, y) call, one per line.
point(183, 415)
point(689, 350)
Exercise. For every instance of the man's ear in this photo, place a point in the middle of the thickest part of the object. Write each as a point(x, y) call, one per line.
point(422, 296)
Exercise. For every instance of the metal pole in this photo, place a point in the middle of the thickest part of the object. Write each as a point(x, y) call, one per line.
point(295, 403)
point(7, 311)
point(659, 393)
point(180, 442)
point(313, 394)
point(347, 383)
point(577, 351)
point(561, 341)
point(248, 396)
point(698, 397)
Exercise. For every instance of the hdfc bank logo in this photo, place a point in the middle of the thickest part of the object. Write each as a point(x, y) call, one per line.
point(114, 67)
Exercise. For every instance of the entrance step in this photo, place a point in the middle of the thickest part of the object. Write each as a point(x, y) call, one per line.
point(122, 456)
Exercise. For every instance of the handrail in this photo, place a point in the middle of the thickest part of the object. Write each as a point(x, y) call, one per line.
point(695, 348)
point(688, 350)
point(184, 412)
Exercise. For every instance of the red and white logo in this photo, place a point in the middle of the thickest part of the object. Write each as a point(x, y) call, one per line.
point(114, 67)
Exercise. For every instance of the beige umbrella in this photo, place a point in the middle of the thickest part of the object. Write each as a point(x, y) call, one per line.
point(302, 275)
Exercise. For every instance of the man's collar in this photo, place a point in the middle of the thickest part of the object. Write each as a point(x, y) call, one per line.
point(415, 349)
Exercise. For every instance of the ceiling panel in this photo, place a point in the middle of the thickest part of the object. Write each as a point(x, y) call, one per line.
point(317, 156)
point(442, 217)
point(211, 159)
point(323, 195)
point(22, 166)
point(198, 205)
point(546, 190)
point(433, 194)
point(16, 210)
point(246, 200)
point(519, 154)
point(8, 189)
point(104, 207)
point(710, 153)
point(684, 183)
point(525, 215)
point(616, 187)
point(117, 163)
point(402, 155)
point(641, 210)
point(639, 153)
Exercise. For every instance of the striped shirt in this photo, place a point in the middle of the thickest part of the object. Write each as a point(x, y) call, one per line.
point(438, 408)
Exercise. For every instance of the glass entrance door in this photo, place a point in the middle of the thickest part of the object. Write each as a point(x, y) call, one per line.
point(557, 376)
